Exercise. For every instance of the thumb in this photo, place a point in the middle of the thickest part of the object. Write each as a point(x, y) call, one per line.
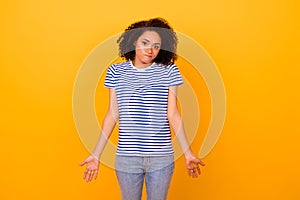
point(82, 163)
point(198, 161)
point(202, 163)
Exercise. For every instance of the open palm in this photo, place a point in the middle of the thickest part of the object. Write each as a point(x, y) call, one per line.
point(91, 170)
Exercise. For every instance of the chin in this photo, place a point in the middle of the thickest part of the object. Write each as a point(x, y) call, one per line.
point(148, 61)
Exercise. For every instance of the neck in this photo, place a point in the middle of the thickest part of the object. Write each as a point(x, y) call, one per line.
point(140, 64)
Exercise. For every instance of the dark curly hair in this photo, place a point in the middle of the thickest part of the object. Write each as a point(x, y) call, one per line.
point(167, 53)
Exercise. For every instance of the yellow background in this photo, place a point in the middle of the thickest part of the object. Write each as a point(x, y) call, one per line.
point(254, 44)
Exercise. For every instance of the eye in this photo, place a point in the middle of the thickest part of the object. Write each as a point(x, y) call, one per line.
point(144, 43)
point(156, 47)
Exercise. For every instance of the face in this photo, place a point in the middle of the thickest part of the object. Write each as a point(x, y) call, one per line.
point(147, 47)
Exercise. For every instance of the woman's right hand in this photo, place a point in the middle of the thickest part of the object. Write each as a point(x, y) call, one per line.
point(91, 170)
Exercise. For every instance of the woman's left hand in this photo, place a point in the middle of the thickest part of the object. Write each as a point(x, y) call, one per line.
point(193, 166)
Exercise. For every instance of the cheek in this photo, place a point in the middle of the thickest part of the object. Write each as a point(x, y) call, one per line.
point(156, 52)
point(138, 51)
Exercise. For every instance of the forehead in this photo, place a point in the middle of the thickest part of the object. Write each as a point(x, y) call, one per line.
point(151, 36)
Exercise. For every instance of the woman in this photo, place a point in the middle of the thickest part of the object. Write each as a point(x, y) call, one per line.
point(143, 94)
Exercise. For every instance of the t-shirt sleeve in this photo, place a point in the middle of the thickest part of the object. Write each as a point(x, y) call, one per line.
point(109, 81)
point(175, 76)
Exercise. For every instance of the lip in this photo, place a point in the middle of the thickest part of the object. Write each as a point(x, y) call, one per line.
point(147, 55)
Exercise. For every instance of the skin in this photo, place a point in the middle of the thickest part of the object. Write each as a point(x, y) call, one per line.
point(147, 47)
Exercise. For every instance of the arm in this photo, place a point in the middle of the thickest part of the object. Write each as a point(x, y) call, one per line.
point(109, 122)
point(175, 120)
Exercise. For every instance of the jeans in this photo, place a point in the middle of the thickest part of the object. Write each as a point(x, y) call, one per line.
point(157, 172)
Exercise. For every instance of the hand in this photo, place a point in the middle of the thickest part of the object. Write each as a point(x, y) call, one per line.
point(192, 165)
point(92, 166)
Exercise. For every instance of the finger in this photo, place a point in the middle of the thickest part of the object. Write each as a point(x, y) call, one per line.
point(190, 172)
point(197, 161)
point(96, 174)
point(85, 174)
point(82, 163)
point(198, 170)
point(202, 163)
point(194, 174)
point(88, 176)
point(91, 176)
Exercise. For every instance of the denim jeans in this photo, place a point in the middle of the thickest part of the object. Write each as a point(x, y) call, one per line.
point(157, 172)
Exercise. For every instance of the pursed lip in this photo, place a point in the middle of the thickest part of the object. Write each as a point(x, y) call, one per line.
point(148, 55)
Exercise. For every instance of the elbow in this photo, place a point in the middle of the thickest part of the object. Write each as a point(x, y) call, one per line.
point(115, 116)
point(170, 115)
point(113, 112)
point(111, 117)
point(173, 115)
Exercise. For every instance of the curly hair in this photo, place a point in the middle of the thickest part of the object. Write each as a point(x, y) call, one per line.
point(167, 53)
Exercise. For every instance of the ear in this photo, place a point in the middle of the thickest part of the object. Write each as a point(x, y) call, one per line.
point(134, 43)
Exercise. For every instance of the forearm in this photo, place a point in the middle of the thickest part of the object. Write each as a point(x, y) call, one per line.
point(177, 125)
point(108, 125)
point(176, 122)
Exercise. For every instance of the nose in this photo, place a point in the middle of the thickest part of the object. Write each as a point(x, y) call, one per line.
point(149, 50)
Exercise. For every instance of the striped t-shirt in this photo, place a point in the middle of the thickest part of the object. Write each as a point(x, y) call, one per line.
point(142, 96)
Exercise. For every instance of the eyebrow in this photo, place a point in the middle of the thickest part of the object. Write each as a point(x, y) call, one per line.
point(149, 41)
